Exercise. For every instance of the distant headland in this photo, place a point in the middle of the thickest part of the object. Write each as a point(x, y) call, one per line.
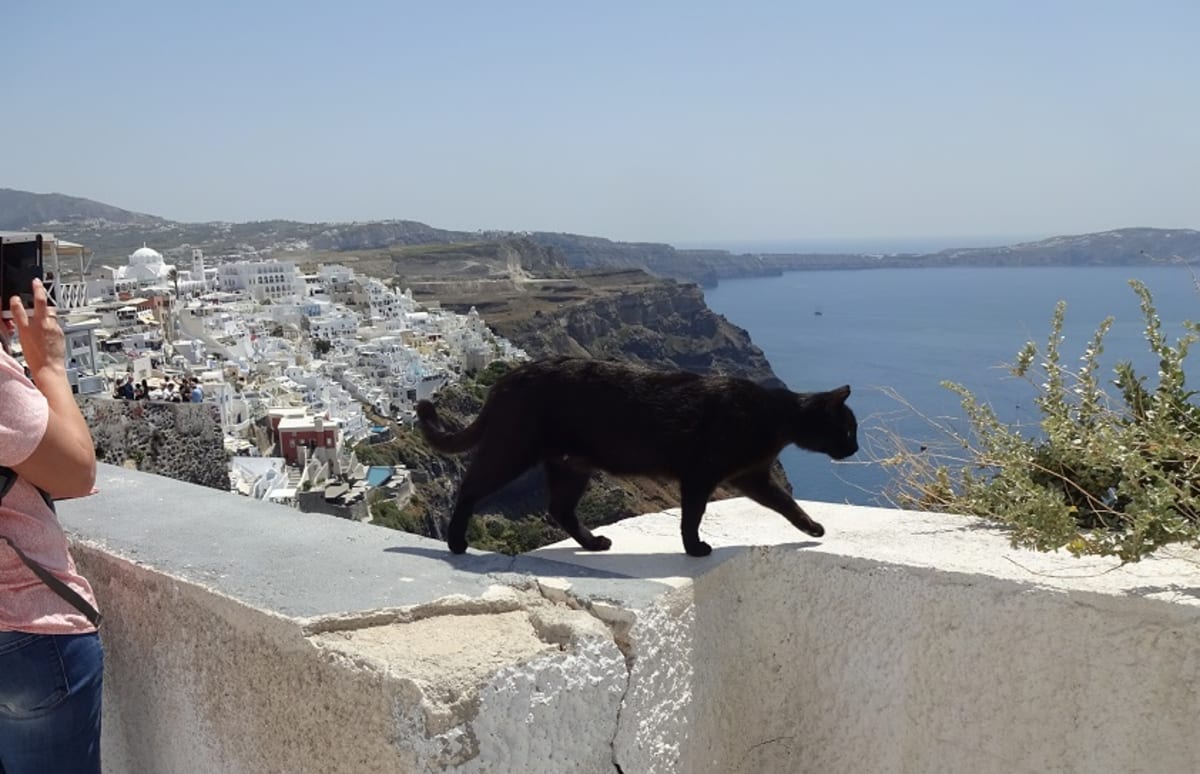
point(113, 232)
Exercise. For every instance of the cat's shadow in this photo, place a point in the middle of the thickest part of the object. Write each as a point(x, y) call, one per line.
point(573, 562)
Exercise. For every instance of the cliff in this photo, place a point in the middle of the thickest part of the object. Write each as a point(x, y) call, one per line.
point(628, 315)
point(634, 317)
point(703, 267)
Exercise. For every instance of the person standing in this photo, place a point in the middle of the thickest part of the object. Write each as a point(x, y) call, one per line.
point(51, 658)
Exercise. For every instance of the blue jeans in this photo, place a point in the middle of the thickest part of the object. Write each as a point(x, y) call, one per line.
point(50, 703)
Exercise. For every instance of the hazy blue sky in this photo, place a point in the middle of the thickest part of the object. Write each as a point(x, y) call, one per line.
point(687, 122)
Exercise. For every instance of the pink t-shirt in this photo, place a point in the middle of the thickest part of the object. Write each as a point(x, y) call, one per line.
point(26, 603)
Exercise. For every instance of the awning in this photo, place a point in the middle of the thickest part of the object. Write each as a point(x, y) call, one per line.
point(68, 248)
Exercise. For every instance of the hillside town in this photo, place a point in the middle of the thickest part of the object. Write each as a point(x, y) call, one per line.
point(294, 366)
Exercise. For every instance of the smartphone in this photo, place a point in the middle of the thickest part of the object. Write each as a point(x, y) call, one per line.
point(20, 265)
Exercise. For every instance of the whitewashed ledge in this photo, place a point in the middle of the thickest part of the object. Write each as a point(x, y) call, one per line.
point(244, 637)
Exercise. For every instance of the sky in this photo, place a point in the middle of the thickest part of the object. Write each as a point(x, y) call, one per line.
point(687, 122)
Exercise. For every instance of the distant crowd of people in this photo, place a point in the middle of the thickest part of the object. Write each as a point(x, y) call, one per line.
point(186, 390)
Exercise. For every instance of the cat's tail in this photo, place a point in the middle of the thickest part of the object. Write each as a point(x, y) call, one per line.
point(445, 440)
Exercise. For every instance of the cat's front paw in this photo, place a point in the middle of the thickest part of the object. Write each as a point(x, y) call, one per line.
point(815, 529)
point(597, 543)
point(457, 545)
point(699, 548)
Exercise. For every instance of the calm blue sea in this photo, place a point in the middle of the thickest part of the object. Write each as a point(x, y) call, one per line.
point(905, 331)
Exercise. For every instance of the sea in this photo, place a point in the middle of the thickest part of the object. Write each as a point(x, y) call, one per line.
point(895, 335)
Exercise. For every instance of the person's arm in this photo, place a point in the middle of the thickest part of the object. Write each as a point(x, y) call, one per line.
point(64, 462)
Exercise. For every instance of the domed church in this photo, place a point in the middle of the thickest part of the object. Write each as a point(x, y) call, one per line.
point(145, 268)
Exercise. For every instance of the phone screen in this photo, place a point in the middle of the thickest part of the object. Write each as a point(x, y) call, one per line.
point(20, 265)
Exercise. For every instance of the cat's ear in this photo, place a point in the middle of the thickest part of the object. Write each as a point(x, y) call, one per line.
point(837, 397)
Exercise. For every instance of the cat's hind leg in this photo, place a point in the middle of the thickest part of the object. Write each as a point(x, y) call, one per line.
point(566, 486)
point(494, 465)
point(758, 486)
point(694, 499)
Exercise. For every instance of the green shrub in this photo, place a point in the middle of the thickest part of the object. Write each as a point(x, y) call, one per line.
point(604, 505)
point(385, 513)
point(1114, 470)
point(494, 370)
point(489, 532)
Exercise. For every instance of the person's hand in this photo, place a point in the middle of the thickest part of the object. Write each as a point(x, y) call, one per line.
point(64, 462)
point(42, 340)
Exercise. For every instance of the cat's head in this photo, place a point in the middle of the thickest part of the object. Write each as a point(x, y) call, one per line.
point(830, 426)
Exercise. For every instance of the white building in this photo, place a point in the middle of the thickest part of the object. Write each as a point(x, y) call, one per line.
point(146, 269)
point(333, 326)
point(199, 279)
point(335, 276)
point(385, 303)
point(257, 477)
point(262, 280)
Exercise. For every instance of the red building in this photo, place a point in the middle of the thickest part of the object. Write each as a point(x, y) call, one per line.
point(294, 434)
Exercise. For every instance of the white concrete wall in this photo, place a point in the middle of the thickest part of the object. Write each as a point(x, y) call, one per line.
point(244, 637)
point(197, 682)
point(901, 642)
point(247, 638)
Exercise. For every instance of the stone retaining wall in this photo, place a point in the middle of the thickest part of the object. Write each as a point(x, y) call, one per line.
point(177, 440)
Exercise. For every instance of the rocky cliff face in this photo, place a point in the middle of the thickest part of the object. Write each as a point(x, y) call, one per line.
point(663, 324)
point(177, 440)
point(703, 267)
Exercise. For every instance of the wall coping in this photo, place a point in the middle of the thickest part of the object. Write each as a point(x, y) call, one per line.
point(649, 547)
point(297, 565)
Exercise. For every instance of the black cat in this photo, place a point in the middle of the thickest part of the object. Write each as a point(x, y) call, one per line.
point(578, 415)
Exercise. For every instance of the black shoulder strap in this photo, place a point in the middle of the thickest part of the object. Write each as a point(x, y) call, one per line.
point(8, 477)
